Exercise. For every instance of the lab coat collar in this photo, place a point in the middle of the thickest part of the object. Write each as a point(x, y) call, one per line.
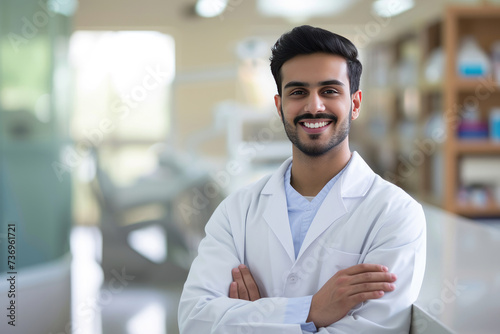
point(357, 178)
point(354, 182)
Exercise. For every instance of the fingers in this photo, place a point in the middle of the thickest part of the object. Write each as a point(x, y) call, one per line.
point(372, 277)
point(243, 286)
point(369, 281)
point(364, 296)
point(366, 273)
point(233, 290)
point(365, 267)
point(240, 284)
point(251, 286)
point(372, 287)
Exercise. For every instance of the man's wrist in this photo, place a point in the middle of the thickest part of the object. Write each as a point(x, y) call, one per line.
point(310, 316)
point(297, 310)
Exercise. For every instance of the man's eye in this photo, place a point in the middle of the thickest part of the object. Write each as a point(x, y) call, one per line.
point(297, 92)
point(331, 91)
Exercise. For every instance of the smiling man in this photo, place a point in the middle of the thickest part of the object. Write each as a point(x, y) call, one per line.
point(323, 244)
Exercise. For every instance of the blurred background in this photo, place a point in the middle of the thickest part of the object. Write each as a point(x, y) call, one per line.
point(123, 124)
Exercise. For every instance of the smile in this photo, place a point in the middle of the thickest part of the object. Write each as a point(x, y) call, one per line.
point(315, 125)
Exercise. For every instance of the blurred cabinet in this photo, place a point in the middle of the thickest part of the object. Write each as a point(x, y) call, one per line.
point(405, 109)
point(483, 23)
point(415, 99)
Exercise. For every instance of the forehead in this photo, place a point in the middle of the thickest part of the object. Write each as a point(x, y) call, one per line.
point(315, 68)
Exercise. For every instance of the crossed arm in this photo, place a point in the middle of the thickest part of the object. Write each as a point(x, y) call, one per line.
point(205, 307)
point(337, 296)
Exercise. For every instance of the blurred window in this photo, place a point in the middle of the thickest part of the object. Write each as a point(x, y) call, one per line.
point(122, 101)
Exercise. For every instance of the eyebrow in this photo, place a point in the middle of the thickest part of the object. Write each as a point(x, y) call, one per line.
point(321, 83)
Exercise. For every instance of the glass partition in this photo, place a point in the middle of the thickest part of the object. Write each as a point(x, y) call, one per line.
point(35, 182)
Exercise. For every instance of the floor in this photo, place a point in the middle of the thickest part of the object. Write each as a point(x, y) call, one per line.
point(120, 305)
point(142, 309)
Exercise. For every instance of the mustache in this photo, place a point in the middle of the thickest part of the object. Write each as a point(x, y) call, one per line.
point(315, 116)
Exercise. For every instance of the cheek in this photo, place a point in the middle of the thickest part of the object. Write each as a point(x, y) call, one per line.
point(290, 110)
point(342, 108)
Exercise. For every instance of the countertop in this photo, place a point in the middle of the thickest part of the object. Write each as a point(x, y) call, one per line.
point(461, 288)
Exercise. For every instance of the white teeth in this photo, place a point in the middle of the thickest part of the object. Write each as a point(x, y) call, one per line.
point(315, 125)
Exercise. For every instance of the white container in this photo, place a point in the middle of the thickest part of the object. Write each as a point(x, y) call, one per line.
point(434, 68)
point(479, 170)
point(472, 61)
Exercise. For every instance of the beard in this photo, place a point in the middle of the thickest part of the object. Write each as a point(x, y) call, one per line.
point(316, 149)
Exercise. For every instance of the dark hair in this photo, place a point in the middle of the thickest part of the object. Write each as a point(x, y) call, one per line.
point(305, 40)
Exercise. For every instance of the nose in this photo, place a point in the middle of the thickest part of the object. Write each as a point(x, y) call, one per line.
point(314, 104)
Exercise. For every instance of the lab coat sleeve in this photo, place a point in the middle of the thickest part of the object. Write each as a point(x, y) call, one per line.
point(399, 244)
point(205, 306)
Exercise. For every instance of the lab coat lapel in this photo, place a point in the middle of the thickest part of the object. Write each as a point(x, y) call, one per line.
point(276, 212)
point(354, 182)
point(330, 210)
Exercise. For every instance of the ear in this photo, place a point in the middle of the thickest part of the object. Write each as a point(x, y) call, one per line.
point(277, 102)
point(356, 104)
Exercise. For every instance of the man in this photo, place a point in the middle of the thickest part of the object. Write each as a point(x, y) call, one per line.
point(322, 245)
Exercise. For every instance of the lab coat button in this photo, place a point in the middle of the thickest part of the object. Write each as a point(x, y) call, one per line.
point(292, 278)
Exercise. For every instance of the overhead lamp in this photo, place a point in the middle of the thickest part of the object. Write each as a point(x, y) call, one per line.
point(210, 8)
point(389, 8)
point(293, 9)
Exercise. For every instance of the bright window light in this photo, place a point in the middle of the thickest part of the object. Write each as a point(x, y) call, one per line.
point(210, 8)
point(388, 8)
point(149, 242)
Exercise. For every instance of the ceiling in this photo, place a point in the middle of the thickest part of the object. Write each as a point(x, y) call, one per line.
point(134, 14)
point(241, 19)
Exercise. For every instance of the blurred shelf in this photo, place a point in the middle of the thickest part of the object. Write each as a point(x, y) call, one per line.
point(474, 85)
point(483, 11)
point(425, 101)
point(477, 147)
point(490, 210)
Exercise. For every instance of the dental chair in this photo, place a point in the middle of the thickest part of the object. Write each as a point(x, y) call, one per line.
point(145, 215)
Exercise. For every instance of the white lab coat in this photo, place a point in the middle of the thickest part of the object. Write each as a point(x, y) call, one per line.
point(363, 219)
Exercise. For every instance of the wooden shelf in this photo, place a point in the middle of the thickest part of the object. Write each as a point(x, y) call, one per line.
point(475, 11)
point(473, 85)
point(476, 147)
point(491, 210)
point(448, 96)
point(482, 22)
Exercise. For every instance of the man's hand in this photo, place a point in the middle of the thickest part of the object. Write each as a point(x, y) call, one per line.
point(243, 285)
point(346, 289)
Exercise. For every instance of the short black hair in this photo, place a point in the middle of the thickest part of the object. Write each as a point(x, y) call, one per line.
point(306, 40)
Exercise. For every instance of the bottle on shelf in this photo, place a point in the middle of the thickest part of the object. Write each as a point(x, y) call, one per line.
point(472, 61)
point(471, 126)
point(434, 66)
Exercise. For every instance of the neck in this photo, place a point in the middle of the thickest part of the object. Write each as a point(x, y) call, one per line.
point(311, 174)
